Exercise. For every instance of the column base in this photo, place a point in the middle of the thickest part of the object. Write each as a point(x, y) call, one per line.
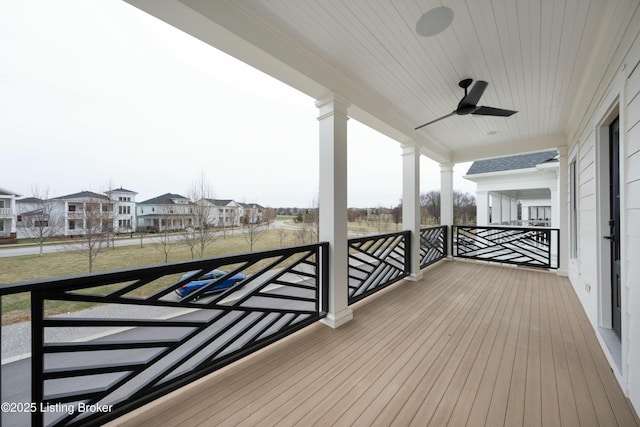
point(335, 320)
point(415, 277)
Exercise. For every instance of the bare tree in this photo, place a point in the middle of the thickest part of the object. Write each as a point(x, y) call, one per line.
point(164, 243)
point(282, 233)
point(396, 214)
point(204, 232)
point(39, 219)
point(252, 233)
point(430, 206)
point(95, 225)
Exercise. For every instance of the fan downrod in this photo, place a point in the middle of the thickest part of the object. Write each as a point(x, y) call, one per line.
point(464, 84)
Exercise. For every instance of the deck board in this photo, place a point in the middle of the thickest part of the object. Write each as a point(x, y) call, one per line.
point(469, 344)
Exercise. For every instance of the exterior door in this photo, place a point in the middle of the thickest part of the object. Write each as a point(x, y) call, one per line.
point(614, 223)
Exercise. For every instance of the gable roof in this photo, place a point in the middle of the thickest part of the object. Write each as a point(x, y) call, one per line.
point(120, 190)
point(30, 200)
point(82, 195)
point(165, 199)
point(523, 161)
point(251, 205)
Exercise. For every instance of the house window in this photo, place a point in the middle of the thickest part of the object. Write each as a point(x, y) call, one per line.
point(72, 225)
point(573, 202)
point(72, 208)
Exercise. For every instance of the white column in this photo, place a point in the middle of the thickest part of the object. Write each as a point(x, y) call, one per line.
point(506, 209)
point(482, 208)
point(446, 199)
point(563, 210)
point(411, 204)
point(333, 203)
point(514, 211)
point(14, 215)
point(496, 209)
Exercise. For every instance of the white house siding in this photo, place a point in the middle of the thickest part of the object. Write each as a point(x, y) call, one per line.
point(619, 89)
point(631, 243)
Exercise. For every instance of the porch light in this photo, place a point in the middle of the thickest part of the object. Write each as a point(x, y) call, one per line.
point(434, 21)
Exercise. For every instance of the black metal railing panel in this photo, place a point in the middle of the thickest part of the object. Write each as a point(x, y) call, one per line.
point(160, 339)
point(433, 245)
point(376, 262)
point(530, 247)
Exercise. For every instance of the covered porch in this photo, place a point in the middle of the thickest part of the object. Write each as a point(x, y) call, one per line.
point(468, 344)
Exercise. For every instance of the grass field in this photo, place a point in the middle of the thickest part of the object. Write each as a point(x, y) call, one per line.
point(16, 308)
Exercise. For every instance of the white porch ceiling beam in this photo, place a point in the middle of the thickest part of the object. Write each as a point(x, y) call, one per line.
point(509, 148)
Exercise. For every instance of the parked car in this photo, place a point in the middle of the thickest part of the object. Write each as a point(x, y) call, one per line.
point(207, 279)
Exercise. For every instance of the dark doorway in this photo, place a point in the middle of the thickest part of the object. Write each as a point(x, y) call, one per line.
point(614, 223)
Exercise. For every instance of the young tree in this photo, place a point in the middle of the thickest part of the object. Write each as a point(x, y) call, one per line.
point(164, 243)
point(95, 225)
point(203, 213)
point(252, 233)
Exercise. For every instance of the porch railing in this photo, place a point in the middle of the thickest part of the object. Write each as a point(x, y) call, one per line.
point(148, 356)
point(433, 245)
point(529, 247)
point(376, 262)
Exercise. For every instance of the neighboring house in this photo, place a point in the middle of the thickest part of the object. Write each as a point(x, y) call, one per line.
point(8, 214)
point(33, 218)
point(82, 212)
point(166, 212)
point(528, 180)
point(251, 213)
point(124, 209)
point(223, 213)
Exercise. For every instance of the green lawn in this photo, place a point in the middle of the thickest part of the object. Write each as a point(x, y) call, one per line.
point(16, 308)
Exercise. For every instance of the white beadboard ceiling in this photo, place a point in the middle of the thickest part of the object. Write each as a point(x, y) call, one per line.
point(537, 55)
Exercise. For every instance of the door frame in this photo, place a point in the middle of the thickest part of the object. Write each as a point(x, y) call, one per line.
point(605, 296)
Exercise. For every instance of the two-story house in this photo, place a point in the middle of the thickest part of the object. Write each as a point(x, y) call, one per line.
point(222, 212)
point(166, 212)
point(124, 209)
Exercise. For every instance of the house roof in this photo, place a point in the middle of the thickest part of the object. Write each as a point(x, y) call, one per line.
point(165, 199)
point(251, 206)
point(523, 161)
point(120, 190)
point(82, 195)
point(29, 200)
point(5, 192)
point(222, 202)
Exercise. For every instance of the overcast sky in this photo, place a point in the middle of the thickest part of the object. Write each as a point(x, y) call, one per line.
point(97, 94)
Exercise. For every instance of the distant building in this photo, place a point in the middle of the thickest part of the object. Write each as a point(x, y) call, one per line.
point(8, 214)
point(166, 212)
point(528, 180)
point(124, 209)
point(223, 212)
point(251, 213)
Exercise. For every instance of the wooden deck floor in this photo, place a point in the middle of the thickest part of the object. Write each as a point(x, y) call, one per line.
point(470, 344)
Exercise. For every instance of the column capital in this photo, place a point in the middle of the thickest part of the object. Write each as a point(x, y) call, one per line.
point(410, 148)
point(331, 103)
point(446, 167)
point(563, 151)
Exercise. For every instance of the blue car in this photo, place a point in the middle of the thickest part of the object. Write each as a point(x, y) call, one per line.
point(208, 278)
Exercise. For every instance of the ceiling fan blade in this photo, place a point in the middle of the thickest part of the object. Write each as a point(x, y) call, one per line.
point(475, 93)
point(436, 120)
point(490, 111)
